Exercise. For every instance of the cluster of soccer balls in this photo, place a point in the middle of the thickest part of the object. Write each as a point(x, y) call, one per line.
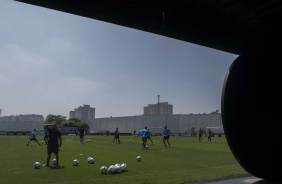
point(87, 140)
point(113, 169)
point(75, 162)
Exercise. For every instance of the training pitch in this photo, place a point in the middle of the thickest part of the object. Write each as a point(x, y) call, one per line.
point(187, 161)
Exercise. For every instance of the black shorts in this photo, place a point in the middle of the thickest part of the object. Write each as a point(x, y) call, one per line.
point(81, 136)
point(52, 149)
point(144, 139)
point(166, 137)
point(149, 137)
point(200, 135)
point(33, 139)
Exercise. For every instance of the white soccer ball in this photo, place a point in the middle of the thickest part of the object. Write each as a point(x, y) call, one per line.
point(118, 168)
point(37, 165)
point(147, 147)
point(75, 162)
point(104, 170)
point(138, 158)
point(112, 169)
point(54, 161)
point(90, 160)
point(123, 167)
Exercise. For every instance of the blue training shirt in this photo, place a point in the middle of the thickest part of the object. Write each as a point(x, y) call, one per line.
point(166, 132)
point(33, 134)
point(145, 133)
point(46, 133)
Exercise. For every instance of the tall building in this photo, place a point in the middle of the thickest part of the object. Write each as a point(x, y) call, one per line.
point(161, 108)
point(84, 113)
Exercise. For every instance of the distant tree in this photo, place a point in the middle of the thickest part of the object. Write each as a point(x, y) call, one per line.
point(193, 131)
point(58, 119)
point(77, 123)
point(74, 120)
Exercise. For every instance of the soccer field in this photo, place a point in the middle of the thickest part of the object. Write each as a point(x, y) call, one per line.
point(188, 160)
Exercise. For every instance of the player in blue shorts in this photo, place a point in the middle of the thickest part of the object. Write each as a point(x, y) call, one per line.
point(145, 133)
point(200, 134)
point(33, 137)
point(166, 134)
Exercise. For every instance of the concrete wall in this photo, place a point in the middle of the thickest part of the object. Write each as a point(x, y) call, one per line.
point(21, 126)
point(176, 123)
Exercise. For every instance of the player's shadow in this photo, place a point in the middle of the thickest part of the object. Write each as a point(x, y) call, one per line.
point(56, 167)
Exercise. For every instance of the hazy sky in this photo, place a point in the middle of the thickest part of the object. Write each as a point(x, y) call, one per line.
point(53, 62)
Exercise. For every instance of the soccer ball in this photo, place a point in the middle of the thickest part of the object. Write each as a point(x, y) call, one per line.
point(75, 162)
point(37, 165)
point(104, 170)
point(54, 161)
point(146, 146)
point(112, 169)
point(42, 141)
point(138, 158)
point(123, 167)
point(90, 160)
point(118, 168)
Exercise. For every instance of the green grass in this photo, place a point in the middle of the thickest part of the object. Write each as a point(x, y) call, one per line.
point(187, 161)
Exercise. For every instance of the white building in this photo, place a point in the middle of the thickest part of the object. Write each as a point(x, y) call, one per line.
point(161, 108)
point(84, 113)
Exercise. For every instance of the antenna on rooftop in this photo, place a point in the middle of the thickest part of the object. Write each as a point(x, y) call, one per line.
point(159, 104)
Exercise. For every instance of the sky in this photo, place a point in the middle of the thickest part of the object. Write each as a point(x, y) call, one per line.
point(52, 62)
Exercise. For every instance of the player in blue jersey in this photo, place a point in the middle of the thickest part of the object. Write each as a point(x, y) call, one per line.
point(116, 136)
point(145, 133)
point(46, 135)
point(166, 134)
point(149, 137)
point(200, 134)
point(33, 137)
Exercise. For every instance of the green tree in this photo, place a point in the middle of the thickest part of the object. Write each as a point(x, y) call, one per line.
point(193, 131)
point(58, 119)
point(76, 122)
